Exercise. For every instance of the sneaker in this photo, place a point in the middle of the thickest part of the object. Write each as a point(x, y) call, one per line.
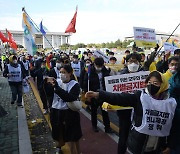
point(46, 111)
point(12, 102)
point(108, 130)
point(95, 129)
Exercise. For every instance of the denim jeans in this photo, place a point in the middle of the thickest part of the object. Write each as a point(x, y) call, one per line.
point(16, 91)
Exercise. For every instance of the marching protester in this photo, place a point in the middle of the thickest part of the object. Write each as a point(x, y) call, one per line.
point(25, 64)
point(152, 117)
point(15, 74)
point(77, 66)
point(64, 121)
point(41, 73)
point(177, 52)
point(55, 73)
point(133, 62)
point(96, 81)
point(174, 91)
point(127, 52)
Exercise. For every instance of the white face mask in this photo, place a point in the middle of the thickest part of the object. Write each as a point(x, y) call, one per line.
point(98, 69)
point(87, 65)
point(58, 65)
point(133, 67)
point(172, 69)
point(63, 77)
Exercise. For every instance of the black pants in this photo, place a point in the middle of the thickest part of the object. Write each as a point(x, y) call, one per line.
point(43, 98)
point(124, 126)
point(105, 116)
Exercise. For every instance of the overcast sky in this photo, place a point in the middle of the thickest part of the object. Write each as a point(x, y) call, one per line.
point(97, 21)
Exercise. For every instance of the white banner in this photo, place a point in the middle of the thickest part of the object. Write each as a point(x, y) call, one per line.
point(144, 37)
point(126, 82)
point(101, 54)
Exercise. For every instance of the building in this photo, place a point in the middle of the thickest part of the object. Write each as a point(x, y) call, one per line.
point(56, 39)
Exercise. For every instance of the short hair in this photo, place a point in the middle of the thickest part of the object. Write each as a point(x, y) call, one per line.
point(88, 60)
point(111, 53)
point(134, 56)
point(127, 51)
point(176, 58)
point(155, 74)
point(75, 56)
point(99, 61)
point(177, 51)
point(113, 58)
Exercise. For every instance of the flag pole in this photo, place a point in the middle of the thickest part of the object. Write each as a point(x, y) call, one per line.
point(23, 9)
point(168, 38)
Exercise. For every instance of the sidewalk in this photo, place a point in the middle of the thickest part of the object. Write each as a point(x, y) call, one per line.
point(14, 134)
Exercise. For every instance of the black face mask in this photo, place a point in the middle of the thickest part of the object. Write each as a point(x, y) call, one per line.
point(153, 89)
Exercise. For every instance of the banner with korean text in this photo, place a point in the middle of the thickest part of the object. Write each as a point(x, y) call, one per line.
point(126, 82)
point(144, 37)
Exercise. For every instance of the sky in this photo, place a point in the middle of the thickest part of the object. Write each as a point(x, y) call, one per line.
point(98, 21)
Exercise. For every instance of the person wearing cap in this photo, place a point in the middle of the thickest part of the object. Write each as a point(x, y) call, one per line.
point(15, 74)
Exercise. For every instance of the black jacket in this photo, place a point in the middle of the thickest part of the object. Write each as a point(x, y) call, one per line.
point(136, 141)
point(94, 83)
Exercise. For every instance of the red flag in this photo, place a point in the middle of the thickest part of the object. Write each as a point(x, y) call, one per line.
point(72, 24)
point(12, 42)
point(3, 38)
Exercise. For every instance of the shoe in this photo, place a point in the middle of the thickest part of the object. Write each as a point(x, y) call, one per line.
point(108, 130)
point(95, 129)
point(12, 102)
point(20, 105)
point(46, 111)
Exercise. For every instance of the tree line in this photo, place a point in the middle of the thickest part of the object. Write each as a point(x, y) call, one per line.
point(117, 44)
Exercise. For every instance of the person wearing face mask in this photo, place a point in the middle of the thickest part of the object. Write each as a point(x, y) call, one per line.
point(132, 65)
point(174, 91)
point(55, 73)
point(65, 122)
point(15, 74)
point(41, 74)
point(95, 77)
point(25, 63)
point(173, 63)
point(152, 117)
point(77, 66)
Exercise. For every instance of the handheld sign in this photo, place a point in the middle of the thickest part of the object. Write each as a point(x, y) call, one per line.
point(169, 47)
point(144, 37)
point(126, 82)
point(101, 54)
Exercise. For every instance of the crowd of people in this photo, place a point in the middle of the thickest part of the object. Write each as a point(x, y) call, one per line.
point(63, 77)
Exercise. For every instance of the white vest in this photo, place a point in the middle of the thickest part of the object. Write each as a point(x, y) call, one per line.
point(16, 75)
point(58, 103)
point(157, 115)
point(76, 68)
point(26, 65)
